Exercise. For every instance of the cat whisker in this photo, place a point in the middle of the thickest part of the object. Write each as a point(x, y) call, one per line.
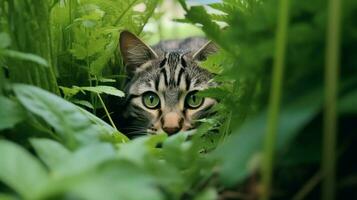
point(133, 128)
point(137, 132)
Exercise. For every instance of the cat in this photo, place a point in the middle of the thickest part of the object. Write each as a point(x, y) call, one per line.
point(161, 93)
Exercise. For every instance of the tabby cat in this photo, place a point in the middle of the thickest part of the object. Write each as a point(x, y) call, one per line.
point(163, 84)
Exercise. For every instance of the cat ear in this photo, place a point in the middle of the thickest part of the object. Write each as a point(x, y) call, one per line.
point(134, 51)
point(206, 50)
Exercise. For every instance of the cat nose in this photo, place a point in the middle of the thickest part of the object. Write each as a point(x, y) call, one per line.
point(171, 130)
point(172, 123)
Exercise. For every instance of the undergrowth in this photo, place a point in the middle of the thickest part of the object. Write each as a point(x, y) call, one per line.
point(60, 62)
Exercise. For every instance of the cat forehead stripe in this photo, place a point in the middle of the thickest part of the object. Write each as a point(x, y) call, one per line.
point(172, 69)
point(173, 59)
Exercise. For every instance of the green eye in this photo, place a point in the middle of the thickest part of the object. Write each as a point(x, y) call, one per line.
point(151, 100)
point(193, 101)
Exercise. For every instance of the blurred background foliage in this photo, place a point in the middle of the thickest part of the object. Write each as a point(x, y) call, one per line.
point(60, 64)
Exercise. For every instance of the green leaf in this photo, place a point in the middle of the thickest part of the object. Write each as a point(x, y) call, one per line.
point(84, 159)
point(115, 138)
point(115, 134)
point(137, 150)
point(79, 51)
point(104, 89)
point(5, 40)
point(69, 92)
point(246, 142)
point(78, 169)
point(214, 63)
point(11, 113)
point(105, 80)
point(118, 179)
point(97, 65)
point(20, 170)
point(7, 197)
point(72, 123)
point(51, 152)
point(25, 56)
point(198, 14)
point(183, 4)
point(83, 103)
point(100, 89)
point(176, 146)
point(208, 194)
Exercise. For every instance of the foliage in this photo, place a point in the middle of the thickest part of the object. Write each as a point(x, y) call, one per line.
point(249, 43)
point(59, 66)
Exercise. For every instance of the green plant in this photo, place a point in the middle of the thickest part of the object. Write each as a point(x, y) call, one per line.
point(249, 42)
point(59, 65)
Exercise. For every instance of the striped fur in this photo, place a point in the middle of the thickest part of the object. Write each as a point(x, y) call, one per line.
point(170, 70)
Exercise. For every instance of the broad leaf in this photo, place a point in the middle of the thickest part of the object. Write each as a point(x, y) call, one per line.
point(72, 123)
point(25, 56)
point(104, 89)
point(7, 197)
point(69, 92)
point(100, 89)
point(51, 152)
point(20, 170)
point(137, 150)
point(11, 113)
point(83, 103)
point(84, 159)
point(239, 149)
point(118, 180)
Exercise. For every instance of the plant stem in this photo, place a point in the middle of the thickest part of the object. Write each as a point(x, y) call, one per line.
point(125, 11)
point(106, 111)
point(275, 98)
point(330, 115)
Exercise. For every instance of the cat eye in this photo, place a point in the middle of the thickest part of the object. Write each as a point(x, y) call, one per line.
point(151, 100)
point(193, 100)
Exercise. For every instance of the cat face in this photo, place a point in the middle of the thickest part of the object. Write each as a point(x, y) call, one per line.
point(162, 92)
